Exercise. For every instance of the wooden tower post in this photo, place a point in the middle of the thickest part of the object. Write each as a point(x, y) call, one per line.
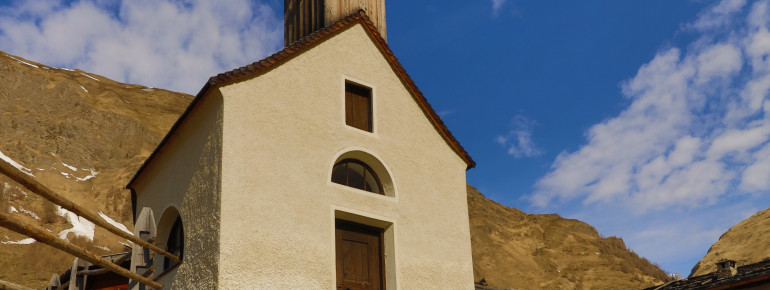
point(303, 17)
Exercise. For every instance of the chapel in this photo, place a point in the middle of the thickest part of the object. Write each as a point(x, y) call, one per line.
point(322, 166)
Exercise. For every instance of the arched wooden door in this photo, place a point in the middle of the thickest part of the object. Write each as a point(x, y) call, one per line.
point(359, 257)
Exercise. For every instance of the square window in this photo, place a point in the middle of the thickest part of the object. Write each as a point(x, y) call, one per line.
point(358, 106)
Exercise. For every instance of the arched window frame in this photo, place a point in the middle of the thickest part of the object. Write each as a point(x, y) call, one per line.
point(175, 243)
point(380, 168)
point(171, 216)
point(367, 170)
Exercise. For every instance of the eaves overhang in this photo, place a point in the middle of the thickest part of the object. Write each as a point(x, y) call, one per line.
point(297, 48)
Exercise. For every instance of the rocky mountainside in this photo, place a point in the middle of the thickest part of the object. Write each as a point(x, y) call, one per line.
point(512, 249)
point(747, 242)
point(83, 136)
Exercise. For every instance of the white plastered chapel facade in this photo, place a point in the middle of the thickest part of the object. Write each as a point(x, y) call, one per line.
point(248, 168)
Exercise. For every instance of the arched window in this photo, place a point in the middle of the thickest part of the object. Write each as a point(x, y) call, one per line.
point(175, 243)
point(356, 174)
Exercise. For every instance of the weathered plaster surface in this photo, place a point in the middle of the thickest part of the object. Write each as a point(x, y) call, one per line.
point(282, 132)
point(186, 175)
point(250, 167)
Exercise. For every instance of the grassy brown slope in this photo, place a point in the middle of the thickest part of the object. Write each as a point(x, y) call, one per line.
point(512, 249)
point(50, 117)
point(747, 242)
point(47, 120)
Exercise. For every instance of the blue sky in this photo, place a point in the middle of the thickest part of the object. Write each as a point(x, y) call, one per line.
point(647, 119)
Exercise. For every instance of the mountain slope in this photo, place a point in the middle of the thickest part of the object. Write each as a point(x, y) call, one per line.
point(747, 242)
point(83, 136)
point(512, 249)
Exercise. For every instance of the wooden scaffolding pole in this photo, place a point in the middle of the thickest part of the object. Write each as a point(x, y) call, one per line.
point(12, 286)
point(40, 189)
point(40, 235)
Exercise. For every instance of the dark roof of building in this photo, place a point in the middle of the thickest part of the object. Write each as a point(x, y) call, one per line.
point(747, 276)
point(265, 65)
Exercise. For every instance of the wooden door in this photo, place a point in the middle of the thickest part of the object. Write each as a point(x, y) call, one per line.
point(359, 257)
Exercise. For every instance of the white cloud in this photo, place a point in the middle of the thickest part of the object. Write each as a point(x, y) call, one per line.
point(617, 148)
point(170, 44)
point(739, 141)
point(757, 176)
point(518, 141)
point(697, 127)
point(497, 5)
point(719, 61)
point(719, 15)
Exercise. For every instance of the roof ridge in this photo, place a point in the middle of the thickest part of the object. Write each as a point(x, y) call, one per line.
point(291, 49)
point(298, 47)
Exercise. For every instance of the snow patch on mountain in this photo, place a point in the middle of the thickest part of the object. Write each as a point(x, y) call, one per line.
point(114, 223)
point(16, 164)
point(29, 212)
point(26, 241)
point(23, 62)
point(80, 226)
point(92, 172)
point(90, 77)
point(73, 168)
point(87, 177)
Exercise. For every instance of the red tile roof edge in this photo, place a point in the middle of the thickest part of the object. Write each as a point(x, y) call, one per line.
point(298, 47)
point(416, 93)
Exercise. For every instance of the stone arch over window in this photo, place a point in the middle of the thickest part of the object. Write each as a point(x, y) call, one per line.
point(171, 235)
point(362, 170)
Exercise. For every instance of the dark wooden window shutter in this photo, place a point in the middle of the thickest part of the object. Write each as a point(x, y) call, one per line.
point(358, 107)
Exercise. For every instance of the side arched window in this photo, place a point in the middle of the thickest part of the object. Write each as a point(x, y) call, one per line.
point(175, 243)
point(356, 174)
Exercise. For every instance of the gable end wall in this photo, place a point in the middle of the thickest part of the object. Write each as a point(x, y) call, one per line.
point(282, 133)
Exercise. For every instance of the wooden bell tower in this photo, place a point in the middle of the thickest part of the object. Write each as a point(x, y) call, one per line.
point(303, 17)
